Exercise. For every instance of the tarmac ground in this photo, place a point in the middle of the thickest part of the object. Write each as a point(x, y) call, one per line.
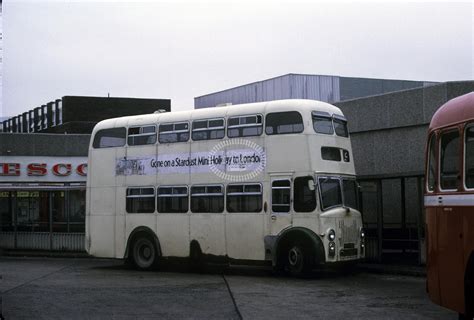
point(70, 288)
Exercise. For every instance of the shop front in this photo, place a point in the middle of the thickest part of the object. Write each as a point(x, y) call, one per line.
point(42, 203)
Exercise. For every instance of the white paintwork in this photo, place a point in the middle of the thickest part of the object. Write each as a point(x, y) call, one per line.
point(237, 235)
point(442, 200)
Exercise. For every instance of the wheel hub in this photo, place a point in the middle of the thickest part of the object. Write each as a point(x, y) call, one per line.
point(294, 256)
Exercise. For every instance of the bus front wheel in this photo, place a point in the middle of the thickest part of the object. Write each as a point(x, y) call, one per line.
point(298, 260)
point(144, 253)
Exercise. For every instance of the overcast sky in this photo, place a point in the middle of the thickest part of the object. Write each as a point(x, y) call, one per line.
point(183, 50)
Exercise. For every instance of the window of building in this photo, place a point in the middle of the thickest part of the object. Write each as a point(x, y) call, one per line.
point(173, 132)
point(283, 123)
point(141, 135)
point(173, 199)
point(244, 198)
point(330, 189)
point(340, 126)
point(322, 122)
point(208, 129)
point(77, 210)
point(469, 157)
point(449, 161)
point(432, 163)
point(281, 196)
point(207, 198)
point(140, 200)
point(6, 211)
point(304, 197)
point(32, 211)
point(107, 138)
point(244, 126)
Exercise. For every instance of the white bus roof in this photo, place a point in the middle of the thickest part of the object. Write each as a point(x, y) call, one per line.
point(220, 112)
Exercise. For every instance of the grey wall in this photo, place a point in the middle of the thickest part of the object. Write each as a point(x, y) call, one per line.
point(389, 131)
point(305, 86)
point(37, 144)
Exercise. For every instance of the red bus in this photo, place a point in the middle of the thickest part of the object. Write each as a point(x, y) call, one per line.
point(449, 204)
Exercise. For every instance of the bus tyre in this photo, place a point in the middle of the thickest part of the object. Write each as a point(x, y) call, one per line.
point(144, 254)
point(298, 260)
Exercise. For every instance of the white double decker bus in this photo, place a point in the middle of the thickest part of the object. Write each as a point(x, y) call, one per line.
point(271, 181)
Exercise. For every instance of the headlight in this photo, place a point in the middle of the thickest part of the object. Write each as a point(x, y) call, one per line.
point(332, 249)
point(331, 235)
point(362, 233)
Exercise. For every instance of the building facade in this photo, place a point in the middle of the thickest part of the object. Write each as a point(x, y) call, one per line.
point(43, 170)
point(305, 86)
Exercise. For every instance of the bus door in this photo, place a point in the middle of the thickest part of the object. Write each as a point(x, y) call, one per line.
point(280, 206)
point(450, 233)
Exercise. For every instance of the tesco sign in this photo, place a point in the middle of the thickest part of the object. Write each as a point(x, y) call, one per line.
point(47, 168)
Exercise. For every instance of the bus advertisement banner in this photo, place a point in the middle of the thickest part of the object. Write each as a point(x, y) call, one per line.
point(237, 161)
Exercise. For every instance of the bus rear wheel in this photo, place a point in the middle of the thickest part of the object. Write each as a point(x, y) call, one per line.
point(144, 254)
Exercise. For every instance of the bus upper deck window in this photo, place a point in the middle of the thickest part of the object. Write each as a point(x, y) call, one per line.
point(449, 161)
point(469, 157)
point(208, 129)
point(244, 126)
point(108, 138)
point(173, 132)
point(322, 122)
point(283, 123)
point(141, 135)
point(340, 125)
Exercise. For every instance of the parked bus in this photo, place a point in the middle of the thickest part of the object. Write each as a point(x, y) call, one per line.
point(270, 181)
point(449, 203)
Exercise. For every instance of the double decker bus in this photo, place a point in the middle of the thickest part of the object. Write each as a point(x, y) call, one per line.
point(272, 182)
point(449, 204)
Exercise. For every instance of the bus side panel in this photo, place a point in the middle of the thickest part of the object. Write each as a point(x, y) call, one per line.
point(450, 259)
point(135, 220)
point(468, 236)
point(293, 157)
point(173, 234)
point(209, 230)
point(120, 241)
point(245, 233)
point(102, 236)
point(432, 255)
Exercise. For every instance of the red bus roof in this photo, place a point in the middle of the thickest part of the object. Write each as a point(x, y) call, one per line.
point(454, 111)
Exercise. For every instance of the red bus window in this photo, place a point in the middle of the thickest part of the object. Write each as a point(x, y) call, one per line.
point(469, 157)
point(432, 163)
point(449, 161)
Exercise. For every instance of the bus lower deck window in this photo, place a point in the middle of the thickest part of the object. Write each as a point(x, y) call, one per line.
point(469, 157)
point(207, 198)
point(244, 198)
point(140, 200)
point(449, 160)
point(281, 196)
point(173, 199)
